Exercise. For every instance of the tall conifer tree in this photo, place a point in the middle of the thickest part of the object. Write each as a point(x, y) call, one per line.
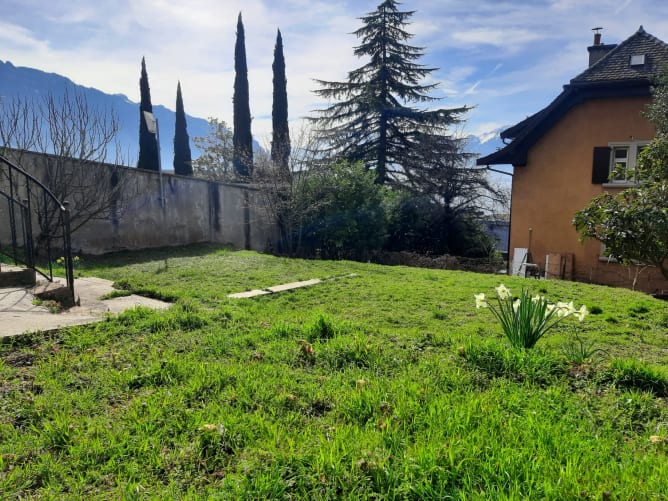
point(242, 138)
point(148, 142)
point(182, 157)
point(373, 121)
point(280, 142)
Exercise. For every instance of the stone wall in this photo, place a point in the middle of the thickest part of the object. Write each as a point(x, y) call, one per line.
point(157, 210)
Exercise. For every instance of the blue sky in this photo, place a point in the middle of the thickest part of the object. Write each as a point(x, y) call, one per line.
point(507, 59)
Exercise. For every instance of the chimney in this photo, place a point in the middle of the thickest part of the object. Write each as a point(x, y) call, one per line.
point(598, 50)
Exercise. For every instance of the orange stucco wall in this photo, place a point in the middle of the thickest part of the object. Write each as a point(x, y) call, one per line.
point(556, 182)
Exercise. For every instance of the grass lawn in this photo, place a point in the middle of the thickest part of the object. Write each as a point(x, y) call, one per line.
point(387, 384)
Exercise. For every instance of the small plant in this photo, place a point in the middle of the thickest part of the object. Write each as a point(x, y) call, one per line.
point(526, 319)
point(76, 261)
point(323, 327)
point(52, 305)
point(579, 352)
point(116, 293)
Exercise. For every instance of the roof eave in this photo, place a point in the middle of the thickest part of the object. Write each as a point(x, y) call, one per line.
point(537, 125)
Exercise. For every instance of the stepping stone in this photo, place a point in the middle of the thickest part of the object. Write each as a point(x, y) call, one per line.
point(253, 293)
point(294, 285)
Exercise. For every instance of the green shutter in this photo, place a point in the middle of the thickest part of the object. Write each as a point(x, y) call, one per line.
point(600, 172)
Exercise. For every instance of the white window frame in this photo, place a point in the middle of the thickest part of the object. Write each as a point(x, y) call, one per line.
point(605, 258)
point(632, 148)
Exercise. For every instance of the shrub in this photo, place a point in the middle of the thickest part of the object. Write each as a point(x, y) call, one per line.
point(346, 218)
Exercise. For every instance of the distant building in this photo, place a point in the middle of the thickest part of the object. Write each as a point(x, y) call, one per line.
point(499, 229)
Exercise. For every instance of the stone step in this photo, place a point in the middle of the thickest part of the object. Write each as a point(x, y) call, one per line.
point(14, 277)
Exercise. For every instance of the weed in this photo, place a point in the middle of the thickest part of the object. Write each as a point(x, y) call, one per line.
point(322, 327)
point(637, 375)
point(52, 305)
point(284, 330)
point(439, 314)
point(638, 308)
point(578, 351)
point(532, 366)
point(116, 293)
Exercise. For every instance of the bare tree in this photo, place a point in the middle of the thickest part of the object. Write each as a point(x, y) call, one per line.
point(63, 140)
point(215, 162)
point(284, 193)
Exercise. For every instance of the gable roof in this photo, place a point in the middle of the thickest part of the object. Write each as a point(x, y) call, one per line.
point(611, 76)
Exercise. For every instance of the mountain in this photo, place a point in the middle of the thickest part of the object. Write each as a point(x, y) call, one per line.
point(488, 143)
point(29, 82)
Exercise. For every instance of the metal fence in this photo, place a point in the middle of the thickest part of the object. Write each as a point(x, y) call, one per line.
point(39, 224)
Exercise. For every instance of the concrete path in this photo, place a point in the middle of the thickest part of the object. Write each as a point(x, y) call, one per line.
point(18, 314)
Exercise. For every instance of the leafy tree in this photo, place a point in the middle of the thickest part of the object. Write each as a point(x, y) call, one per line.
point(280, 143)
point(242, 137)
point(445, 198)
point(148, 142)
point(182, 157)
point(372, 121)
point(347, 217)
point(633, 224)
point(217, 147)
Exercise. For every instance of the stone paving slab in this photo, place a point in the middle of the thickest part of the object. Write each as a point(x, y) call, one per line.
point(274, 289)
point(18, 314)
point(253, 293)
point(294, 285)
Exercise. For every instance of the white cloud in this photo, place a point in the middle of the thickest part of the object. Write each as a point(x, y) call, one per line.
point(498, 37)
point(511, 57)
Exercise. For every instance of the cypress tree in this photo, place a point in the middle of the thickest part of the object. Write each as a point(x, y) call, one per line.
point(280, 142)
point(148, 142)
point(372, 121)
point(242, 138)
point(182, 157)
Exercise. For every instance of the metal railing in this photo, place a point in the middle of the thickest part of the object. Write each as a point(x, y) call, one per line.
point(35, 246)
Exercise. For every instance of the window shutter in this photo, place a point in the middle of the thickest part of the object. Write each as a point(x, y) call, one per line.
point(600, 171)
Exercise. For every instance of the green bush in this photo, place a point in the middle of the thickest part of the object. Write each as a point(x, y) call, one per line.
point(346, 217)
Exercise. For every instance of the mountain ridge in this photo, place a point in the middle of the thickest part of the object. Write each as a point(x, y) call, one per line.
point(34, 83)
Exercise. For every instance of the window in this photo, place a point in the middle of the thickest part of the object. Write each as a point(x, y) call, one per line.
point(623, 157)
point(605, 255)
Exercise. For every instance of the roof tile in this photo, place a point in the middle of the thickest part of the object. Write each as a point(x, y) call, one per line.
point(615, 65)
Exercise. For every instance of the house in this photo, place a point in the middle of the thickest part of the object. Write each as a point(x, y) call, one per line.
point(563, 156)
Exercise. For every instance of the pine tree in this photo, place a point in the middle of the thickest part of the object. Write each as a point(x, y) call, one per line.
point(372, 121)
point(182, 157)
point(242, 139)
point(280, 143)
point(148, 142)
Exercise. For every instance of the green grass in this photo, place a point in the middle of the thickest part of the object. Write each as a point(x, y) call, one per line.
point(385, 385)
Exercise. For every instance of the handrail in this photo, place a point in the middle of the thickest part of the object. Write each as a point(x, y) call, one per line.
point(22, 191)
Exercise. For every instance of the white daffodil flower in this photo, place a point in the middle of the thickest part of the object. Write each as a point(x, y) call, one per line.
point(503, 291)
point(480, 301)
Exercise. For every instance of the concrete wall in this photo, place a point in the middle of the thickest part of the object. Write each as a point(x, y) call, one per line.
point(168, 210)
point(557, 182)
